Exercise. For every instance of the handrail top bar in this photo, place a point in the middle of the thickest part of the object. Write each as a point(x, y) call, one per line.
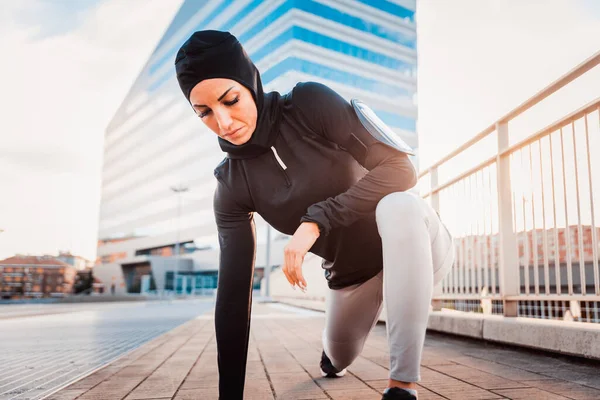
point(573, 74)
point(591, 106)
point(554, 126)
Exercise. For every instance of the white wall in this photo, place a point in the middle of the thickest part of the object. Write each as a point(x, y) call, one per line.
point(109, 273)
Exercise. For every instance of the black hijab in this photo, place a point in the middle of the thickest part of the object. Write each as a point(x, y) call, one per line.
point(215, 54)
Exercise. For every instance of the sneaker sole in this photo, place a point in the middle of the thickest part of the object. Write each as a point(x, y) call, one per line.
point(338, 375)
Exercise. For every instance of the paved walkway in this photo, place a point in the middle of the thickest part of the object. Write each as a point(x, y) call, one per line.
point(283, 361)
point(43, 347)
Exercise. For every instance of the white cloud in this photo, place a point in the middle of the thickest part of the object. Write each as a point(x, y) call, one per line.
point(59, 92)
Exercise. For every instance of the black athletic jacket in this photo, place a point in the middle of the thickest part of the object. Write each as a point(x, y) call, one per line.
point(310, 159)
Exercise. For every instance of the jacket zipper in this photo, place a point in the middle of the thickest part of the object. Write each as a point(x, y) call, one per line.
point(281, 165)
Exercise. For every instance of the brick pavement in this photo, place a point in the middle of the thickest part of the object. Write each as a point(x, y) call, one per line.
point(283, 363)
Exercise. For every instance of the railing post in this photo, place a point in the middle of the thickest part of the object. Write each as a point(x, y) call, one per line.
point(435, 203)
point(508, 263)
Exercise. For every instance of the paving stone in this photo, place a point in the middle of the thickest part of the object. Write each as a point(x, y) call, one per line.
point(195, 394)
point(503, 371)
point(568, 389)
point(478, 378)
point(528, 394)
point(67, 394)
point(354, 394)
point(453, 388)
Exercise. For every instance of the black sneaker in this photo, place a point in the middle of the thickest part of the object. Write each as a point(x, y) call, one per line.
point(328, 370)
point(397, 393)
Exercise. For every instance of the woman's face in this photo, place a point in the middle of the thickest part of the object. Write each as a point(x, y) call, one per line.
point(226, 107)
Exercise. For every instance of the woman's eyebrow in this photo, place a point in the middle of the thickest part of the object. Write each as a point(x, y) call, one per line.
point(219, 99)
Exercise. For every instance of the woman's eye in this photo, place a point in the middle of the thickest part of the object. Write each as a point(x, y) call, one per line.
point(227, 103)
point(232, 102)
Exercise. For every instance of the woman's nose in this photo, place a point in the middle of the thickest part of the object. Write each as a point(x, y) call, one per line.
point(225, 121)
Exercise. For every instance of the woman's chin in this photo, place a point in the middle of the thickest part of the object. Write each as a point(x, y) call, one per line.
point(239, 139)
point(238, 142)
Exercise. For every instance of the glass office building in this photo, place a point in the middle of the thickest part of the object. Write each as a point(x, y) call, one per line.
point(155, 146)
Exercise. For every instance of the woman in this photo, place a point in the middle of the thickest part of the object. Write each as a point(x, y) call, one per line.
point(307, 165)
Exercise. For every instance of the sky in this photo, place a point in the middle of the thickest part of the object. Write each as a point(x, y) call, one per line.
point(68, 64)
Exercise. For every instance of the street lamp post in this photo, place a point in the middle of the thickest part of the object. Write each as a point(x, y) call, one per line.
point(179, 190)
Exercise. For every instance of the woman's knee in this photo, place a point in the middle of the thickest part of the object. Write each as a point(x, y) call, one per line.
point(342, 354)
point(398, 208)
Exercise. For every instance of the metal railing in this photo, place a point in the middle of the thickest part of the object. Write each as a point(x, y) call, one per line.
point(525, 217)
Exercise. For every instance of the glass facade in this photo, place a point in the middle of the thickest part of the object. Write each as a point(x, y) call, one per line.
point(193, 281)
point(362, 49)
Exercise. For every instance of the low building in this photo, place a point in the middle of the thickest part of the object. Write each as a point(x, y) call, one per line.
point(152, 269)
point(78, 262)
point(35, 277)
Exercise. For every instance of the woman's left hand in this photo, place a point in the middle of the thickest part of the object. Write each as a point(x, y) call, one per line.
point(304, 238)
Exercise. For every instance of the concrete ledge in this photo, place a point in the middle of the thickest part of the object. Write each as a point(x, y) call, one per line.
point(573, 338)
point(463, 324)
point(580, 339)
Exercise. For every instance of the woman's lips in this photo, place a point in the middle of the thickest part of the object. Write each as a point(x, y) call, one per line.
point(232, 133)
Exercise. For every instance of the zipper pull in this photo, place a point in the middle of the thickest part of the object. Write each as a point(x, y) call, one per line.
point(278, 158)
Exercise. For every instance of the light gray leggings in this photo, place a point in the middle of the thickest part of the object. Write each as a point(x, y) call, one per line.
point(418, 252)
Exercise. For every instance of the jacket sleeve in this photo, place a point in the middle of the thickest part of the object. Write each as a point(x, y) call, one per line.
point(236, 232)
point(332, 117)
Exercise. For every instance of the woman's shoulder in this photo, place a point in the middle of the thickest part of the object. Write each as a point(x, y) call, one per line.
point(310, 91)
point(228, 172)
point(224, 172)
point(313, 101)
point(230, 187)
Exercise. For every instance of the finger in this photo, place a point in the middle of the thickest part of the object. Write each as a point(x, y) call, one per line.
point(296, 271)
point(288, 271)
point(298, 268)
point(292, 271)
point(303, 281)
point(285, 272)
point(284, 269)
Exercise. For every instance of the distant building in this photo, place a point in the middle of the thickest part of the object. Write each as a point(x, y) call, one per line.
point(35, 276)
point(78, 262)
point(570, 251)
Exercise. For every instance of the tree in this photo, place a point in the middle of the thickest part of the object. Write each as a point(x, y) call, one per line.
point(84, 281)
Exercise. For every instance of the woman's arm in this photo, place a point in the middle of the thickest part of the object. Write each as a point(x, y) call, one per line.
point(236, 231)
point(390, 170)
